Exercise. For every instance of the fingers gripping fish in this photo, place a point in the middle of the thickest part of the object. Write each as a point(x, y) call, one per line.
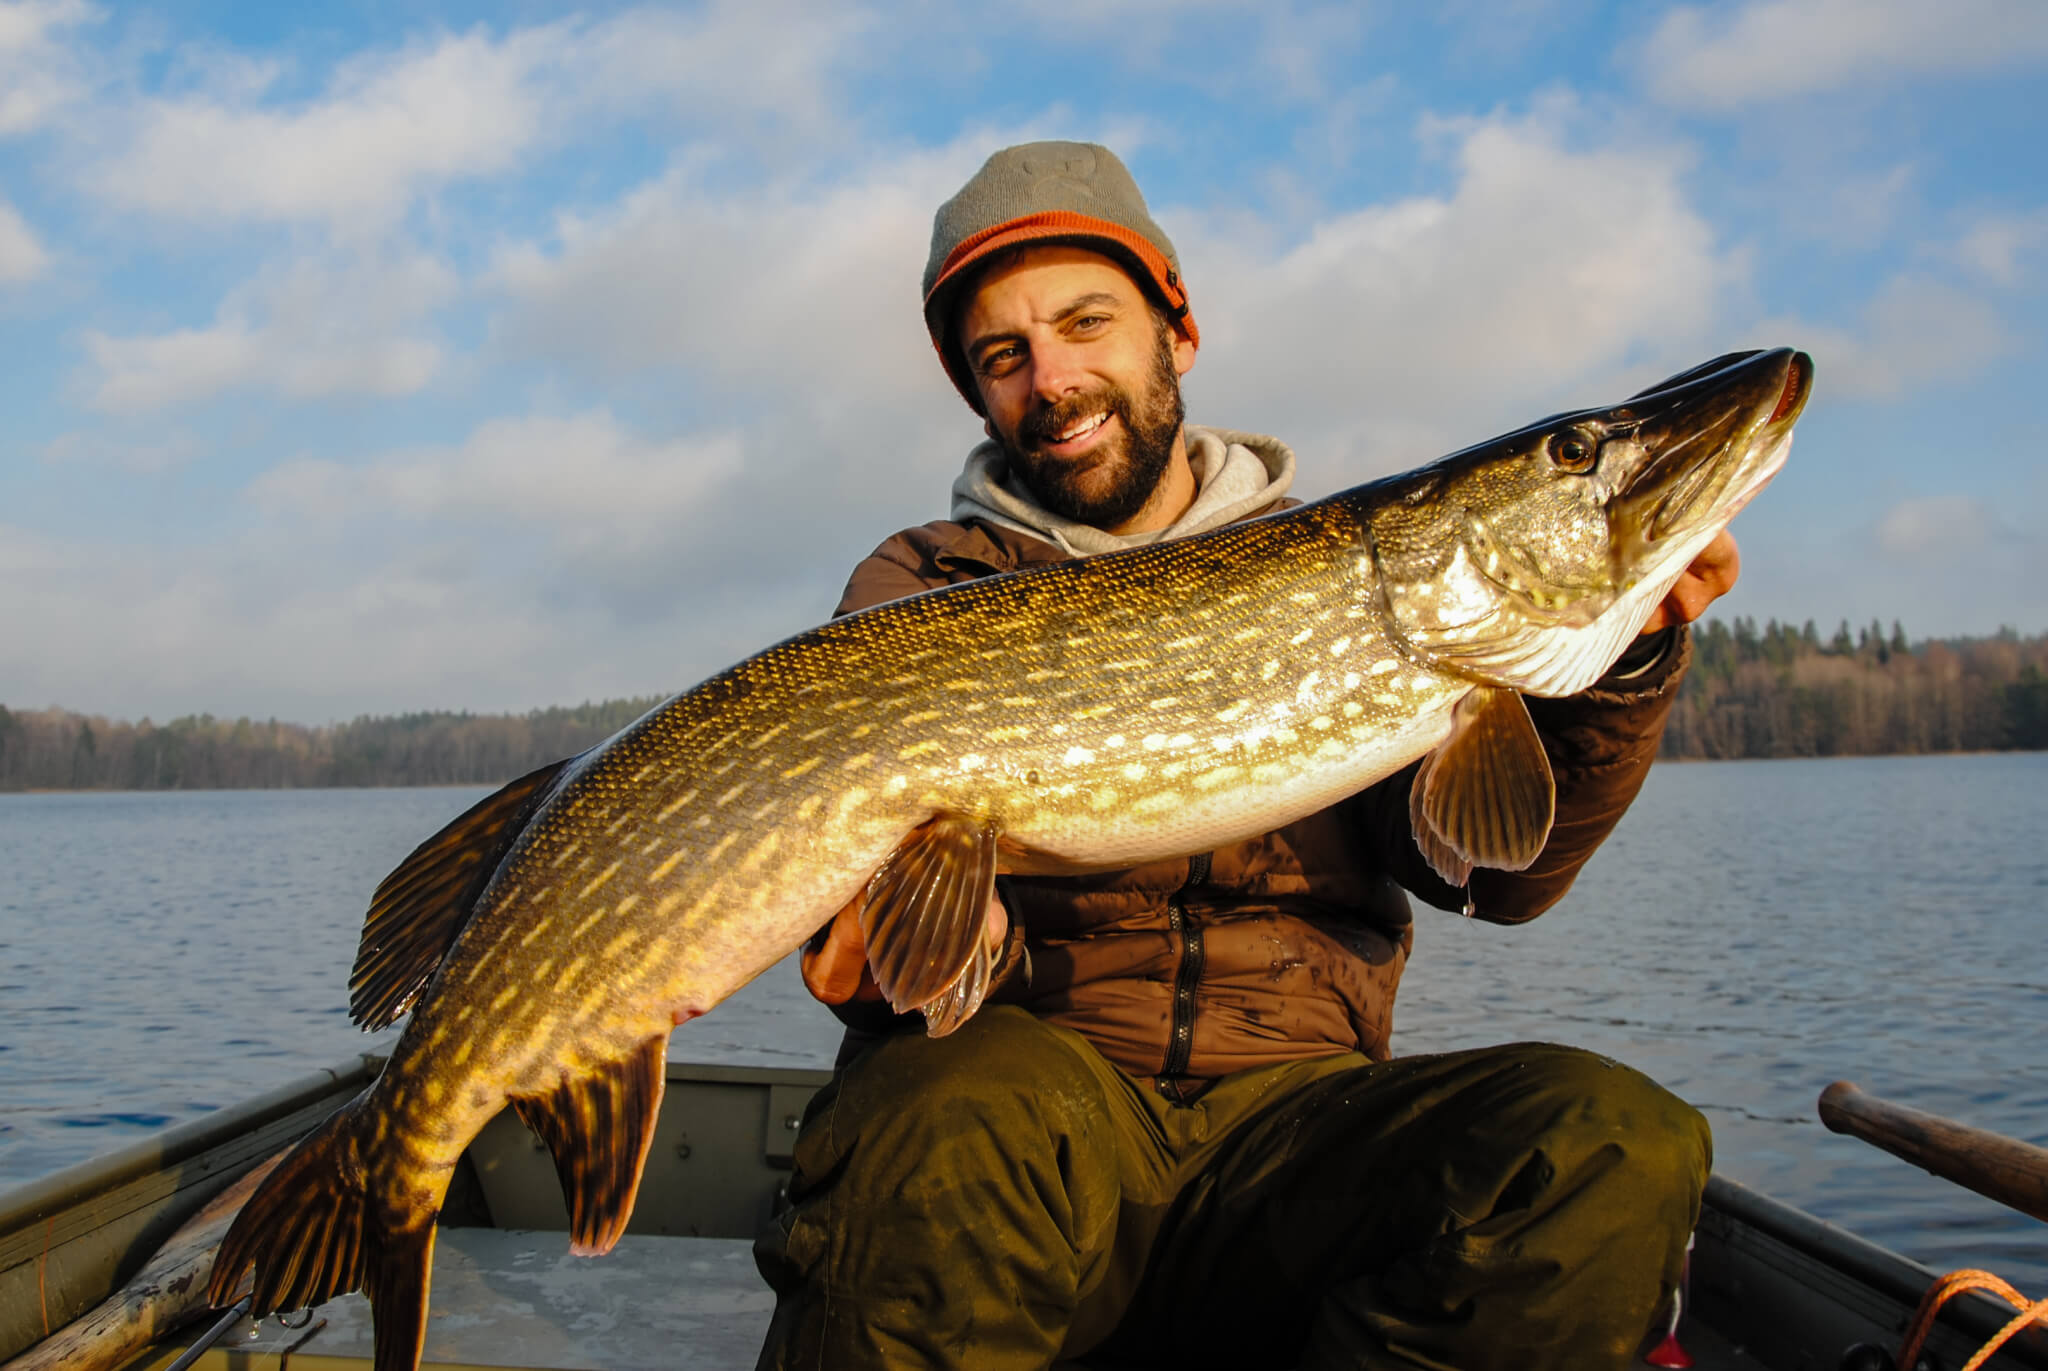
point(1089, 715)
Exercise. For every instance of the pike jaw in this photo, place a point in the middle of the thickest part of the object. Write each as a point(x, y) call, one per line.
point(1530, 561)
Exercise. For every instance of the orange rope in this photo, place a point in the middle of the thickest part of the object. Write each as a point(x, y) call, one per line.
point(1953, 1284)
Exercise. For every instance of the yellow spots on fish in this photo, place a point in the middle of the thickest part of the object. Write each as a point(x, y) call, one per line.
point(1160, 802)
point(1018, 701)
point(1352, 709)
point(1218, 776)
point(667, 905)
point(1341, 646)
point(719, 848)
point(918, 749)
point(433, 1089)
point(1043, 674)
point(972, 761)
point(545, 969)
point(568, 850)
point(851, 799)
point(1094, 711)
point(590, 921)
point(1153, 742)
point(462, 1051)
point(801, 767)
point(763, 738)
point(1352, 680)
point(1234, 713)
point(1270, 773)
point(668, 810)
point(1305, 693)
point(814, 734)
point(437, 1037)
point(733, 792)
point(1009, 733)
point(597, 882)
point(964, 683)
point(1183, 644)
point(624, 939)
point(1135, 772)
point(1382, 667)
point(1103, 798)
point(1077, 756)
point(851, 702)
point(462, 1014)
point(571, 972)
point(534, 930)
point(1298, 639)
point(1164, 702)
point(857, 761)
point(1270, 669)
point(923, 716)
point(1321, 723)
point(1205, 674)
point(503, 998)
point(1245, 635)
point(808, 807)
point(896, 785)
point(1305, 597)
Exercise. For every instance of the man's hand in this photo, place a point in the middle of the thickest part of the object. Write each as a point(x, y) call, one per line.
point(1711, 575)
point(835, 963)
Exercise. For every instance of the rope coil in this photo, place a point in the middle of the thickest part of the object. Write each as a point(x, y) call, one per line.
point(1947, 1288)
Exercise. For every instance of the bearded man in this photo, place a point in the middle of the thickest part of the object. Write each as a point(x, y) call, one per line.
point(1175, 1135)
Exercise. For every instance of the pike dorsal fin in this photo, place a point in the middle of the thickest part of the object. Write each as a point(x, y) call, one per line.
point(423, 904)
point(924, 920)
point(599, 1125)
point(1484, 795)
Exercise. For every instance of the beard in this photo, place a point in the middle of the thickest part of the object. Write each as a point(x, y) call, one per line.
point(1109, 486)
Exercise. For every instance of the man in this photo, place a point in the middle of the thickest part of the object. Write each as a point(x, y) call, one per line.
point(1175, 1134)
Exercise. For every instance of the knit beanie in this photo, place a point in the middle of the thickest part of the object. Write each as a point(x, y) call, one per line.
point(1045, 193)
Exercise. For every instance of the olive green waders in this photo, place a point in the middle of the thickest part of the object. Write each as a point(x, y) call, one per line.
point(1004, 1197)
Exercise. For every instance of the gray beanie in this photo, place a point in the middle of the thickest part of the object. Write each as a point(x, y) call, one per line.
point(1046, 192)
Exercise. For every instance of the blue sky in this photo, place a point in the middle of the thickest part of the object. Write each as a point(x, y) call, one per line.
point(381, 357)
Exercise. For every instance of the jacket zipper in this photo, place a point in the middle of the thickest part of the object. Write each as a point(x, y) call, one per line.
point(1186, 978)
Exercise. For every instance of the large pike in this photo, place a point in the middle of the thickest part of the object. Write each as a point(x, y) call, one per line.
point(1094, 714)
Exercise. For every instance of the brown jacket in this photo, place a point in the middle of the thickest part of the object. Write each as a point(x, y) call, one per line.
point(1289, 945)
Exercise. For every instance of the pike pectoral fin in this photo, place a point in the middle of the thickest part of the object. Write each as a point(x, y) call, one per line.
point(1485, 795)
point(422, 905)
point(599, 1126)
point(925, 920)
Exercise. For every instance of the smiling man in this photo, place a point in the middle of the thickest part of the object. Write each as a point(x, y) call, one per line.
point(1176, 1134)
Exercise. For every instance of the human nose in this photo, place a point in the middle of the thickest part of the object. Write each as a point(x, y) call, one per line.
point(1057, 370)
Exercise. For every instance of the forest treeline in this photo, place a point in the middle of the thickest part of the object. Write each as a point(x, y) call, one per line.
point(1775, 691)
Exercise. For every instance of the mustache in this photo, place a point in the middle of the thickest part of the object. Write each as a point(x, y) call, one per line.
point(1043, 426)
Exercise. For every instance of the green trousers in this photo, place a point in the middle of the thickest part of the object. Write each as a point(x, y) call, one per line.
point(1005, 1198)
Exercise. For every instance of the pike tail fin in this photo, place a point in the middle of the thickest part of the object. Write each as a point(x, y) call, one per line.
point(310, 1233)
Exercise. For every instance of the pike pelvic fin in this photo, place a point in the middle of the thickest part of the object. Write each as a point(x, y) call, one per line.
point(423, 904)
point(309, 1233)
point(924, 920)
point(1485, 795)
point(599, 1126)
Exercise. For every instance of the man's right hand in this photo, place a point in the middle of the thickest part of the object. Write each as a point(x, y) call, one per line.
point(835, 961)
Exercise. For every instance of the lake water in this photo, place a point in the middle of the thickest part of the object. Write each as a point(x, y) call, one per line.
point(1753, 931)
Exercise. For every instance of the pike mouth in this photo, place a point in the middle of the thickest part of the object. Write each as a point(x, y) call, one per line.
point(1798, 382)
point(1714, 481)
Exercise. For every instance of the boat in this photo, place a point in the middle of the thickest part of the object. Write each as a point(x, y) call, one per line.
point(1770, 1287)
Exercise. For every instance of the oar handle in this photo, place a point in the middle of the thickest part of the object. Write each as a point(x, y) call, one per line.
point(2004, 1169)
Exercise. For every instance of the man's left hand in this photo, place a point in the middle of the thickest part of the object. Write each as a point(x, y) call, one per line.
point(1711, 575)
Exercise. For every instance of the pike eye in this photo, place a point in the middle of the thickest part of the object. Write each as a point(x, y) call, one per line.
point(1573, 450)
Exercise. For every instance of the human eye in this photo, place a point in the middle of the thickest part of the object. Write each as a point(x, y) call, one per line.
point(994, 361)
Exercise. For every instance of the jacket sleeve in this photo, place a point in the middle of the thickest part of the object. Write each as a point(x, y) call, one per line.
point(1600, 743)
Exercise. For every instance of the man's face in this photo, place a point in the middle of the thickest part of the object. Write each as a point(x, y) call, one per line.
point(1080, 379)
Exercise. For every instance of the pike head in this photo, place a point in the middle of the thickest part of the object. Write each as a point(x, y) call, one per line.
point(1530, 561)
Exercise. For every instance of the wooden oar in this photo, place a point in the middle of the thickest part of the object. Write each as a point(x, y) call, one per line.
point(168, 1291)
point(2004, 1169)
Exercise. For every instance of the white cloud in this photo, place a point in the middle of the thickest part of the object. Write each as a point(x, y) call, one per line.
point(392, 126)
point(1544, 268)
point(38, 73)
point(584, 485)
point(1723, 59)
point(22, 257)
point(1934, 524)
point(1914, 332)
point(308, 328)
point(136, 456)
point(1998, 248)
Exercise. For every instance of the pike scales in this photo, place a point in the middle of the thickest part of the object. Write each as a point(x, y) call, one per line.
point(1087, 715)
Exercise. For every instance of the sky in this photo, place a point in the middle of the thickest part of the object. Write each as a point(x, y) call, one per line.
point(375, 357)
